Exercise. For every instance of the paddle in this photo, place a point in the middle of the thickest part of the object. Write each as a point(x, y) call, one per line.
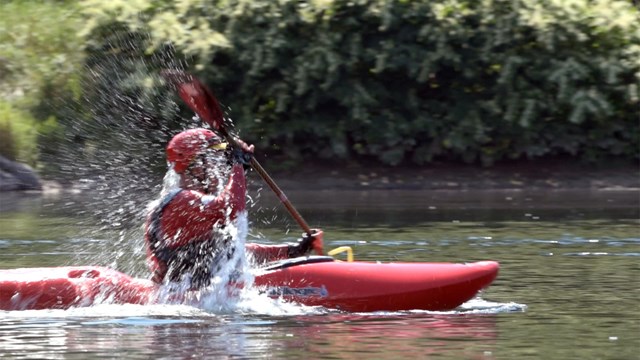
point(202, 101)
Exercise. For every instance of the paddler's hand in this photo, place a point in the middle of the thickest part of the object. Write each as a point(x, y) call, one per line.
point(313, 241)
point(242, 153)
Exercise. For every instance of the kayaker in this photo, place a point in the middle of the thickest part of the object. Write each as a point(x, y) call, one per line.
point(185, 232)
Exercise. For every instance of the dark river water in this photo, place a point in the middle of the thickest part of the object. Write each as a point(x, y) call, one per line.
point(568, 288)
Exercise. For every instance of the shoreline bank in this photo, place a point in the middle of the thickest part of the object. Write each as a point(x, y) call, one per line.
point(511, 177)
point(524, 176)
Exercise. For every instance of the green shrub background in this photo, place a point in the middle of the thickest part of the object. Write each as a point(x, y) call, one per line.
point(394, 82)
point(40, 63)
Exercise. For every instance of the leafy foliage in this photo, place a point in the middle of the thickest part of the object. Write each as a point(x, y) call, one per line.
point(39, 60)
point(38, 47)
point(394, 81)
point(413, 81)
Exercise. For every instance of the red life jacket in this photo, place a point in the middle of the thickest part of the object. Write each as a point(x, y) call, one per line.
point(185, 233)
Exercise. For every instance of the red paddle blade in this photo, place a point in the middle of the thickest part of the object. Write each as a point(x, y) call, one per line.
point(197, 96)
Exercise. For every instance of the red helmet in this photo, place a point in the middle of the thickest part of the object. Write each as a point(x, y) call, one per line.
point(184, 147)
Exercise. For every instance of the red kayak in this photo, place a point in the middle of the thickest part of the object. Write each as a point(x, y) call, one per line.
point(316, 280)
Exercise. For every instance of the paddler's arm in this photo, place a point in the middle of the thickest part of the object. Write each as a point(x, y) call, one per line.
point(236, 190)
point(159, 274)
point(234, 194)
point(267, 253)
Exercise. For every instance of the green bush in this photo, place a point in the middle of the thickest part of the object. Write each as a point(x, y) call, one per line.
point(409, 81)
point(7, 145)
point(18, 134)
point(39, 47)
point(40, 58)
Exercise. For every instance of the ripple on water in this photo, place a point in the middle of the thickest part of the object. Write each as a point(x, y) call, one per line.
point(589, 253)
point(166, 314)
point(108, 311)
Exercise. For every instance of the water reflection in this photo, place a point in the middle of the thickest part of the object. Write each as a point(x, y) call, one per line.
point(241, 336)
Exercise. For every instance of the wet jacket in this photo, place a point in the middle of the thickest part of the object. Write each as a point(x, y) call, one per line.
point(184, 233)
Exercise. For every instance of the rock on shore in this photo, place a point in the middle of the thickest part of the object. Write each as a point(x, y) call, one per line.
point(16, 176)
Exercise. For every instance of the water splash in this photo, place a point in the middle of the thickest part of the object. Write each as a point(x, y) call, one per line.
point(481, 306)
point(110, 149)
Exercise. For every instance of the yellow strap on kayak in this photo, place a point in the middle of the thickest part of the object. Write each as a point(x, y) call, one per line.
point(342, 249)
